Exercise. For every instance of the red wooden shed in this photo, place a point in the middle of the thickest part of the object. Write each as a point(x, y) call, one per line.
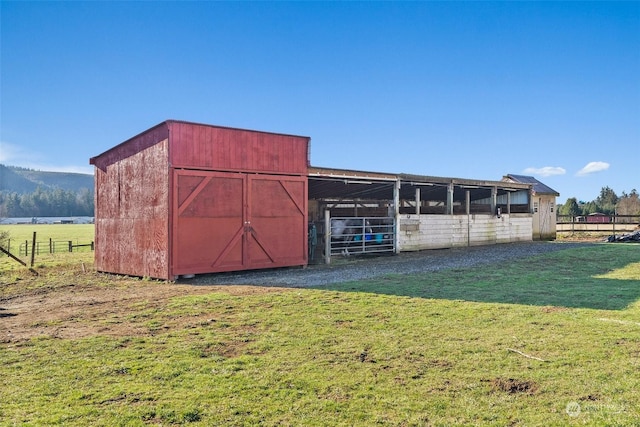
point(185, 198)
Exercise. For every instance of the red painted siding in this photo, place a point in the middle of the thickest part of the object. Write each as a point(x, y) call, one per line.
point(132, 146)
point(226, 149)
point(132, 206)
point(236, 221)
point(241, 203)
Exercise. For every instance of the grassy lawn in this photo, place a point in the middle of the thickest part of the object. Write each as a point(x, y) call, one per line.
point(551, 340)
point(19, 234)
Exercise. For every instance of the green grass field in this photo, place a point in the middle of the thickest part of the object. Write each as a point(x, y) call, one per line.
point(551, 340)
point(22, 234)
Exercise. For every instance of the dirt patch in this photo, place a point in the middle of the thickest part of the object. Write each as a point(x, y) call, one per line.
point(553, 309)
point(511, 385)
point(79, 311)
point(69, 302)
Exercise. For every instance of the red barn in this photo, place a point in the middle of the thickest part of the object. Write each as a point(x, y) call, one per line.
point(184, 198)
point(598, 217)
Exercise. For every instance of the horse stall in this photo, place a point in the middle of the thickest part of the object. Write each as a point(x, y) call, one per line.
point(360, 235)
point(439, 213)
point(356, 213)
point(184, 198)
point(351, 213)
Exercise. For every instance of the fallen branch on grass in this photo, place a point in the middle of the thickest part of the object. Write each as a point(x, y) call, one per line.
point(526, 355)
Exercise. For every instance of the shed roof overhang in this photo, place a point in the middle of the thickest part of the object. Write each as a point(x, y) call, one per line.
point(436, 188)
point(345, 184)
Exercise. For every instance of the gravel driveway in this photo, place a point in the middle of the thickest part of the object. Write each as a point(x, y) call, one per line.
point(358, 268)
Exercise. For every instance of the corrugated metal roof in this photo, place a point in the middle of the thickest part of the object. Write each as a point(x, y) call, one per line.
point(538, 187)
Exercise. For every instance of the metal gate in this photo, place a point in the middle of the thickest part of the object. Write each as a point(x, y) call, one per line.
point(237, 221)
point(360, 235)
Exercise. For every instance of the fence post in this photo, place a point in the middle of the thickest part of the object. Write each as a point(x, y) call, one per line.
point(614, 224)
point(50, 245)
point(70, 246)
point(33, 249)
point(93, 246)
point(26, 248)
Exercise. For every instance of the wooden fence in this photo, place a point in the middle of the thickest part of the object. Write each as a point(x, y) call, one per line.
point(26, 248)
point(601, 223)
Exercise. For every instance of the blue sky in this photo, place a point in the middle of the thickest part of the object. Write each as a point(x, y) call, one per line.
point(455, 89)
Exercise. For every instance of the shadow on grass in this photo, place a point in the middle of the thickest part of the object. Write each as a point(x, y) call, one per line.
point(599, 277)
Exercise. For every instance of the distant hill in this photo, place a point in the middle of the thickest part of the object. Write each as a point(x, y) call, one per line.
point(22, 181)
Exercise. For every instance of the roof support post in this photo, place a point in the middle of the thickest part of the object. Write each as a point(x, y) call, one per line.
point(450, 199)
point(531, 194)
point(396, 215)
point(467, 201)
point(494, 199)
point(418, 202)
point(508, 202)
point(327, 236)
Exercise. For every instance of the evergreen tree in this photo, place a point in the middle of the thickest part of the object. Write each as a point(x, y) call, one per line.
point(590, 207)
point(607, 200)
point(571, 207)
point(43, 203)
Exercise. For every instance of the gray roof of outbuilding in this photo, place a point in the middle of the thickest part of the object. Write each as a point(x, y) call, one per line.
point(538, 187)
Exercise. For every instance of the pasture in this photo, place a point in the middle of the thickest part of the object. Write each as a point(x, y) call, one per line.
point(60, 234)
point(549, 340)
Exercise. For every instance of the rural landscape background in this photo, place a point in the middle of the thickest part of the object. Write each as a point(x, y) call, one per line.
point(550, 339)
point(32, 193)
point(539, 333)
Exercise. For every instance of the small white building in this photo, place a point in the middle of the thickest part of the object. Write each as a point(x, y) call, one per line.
point(543, 204)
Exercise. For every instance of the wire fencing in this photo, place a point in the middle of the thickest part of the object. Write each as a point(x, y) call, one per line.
point(26, 248)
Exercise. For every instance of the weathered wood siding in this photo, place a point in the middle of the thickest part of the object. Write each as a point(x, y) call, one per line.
point(544, 217)
point(137, 144)
point(226, 149)
point(151, 223)
point(132, 205)
point(417, 232)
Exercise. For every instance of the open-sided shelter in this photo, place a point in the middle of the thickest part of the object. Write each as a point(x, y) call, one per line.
point(416, 212)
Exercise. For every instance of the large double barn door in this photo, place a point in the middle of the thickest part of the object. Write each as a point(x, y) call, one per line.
point(237, 221)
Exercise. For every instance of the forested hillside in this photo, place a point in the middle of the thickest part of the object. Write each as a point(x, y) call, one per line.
point(20, 180)
point(31, 193)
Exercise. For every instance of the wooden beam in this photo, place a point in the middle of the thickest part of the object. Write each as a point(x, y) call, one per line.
point(15, 258)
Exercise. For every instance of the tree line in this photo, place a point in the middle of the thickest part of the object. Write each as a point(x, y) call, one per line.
point(58, 202)
point(47, 202)
point(608, 203)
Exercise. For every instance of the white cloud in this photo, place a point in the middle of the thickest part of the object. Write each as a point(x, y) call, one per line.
point(593, 167)
point(72, 169)
point(13, 155)
point(10, 153)
point(545, 171)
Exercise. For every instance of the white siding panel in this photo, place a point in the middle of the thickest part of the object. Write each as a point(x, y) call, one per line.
point(448, 231)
